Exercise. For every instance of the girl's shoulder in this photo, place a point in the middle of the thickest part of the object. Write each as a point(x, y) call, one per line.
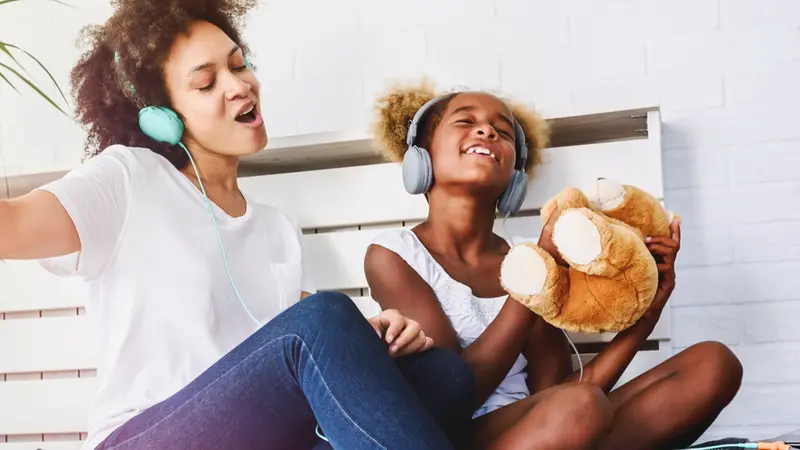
point(404, 243)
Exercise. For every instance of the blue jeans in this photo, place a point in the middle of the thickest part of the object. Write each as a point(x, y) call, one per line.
point(317, 362)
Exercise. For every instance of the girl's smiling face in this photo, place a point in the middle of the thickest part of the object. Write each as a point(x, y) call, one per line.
point(473, 144)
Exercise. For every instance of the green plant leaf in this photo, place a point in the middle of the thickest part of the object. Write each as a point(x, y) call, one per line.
point(33, 86)
point(4, 46)
point(3, 2)
point(9, 82)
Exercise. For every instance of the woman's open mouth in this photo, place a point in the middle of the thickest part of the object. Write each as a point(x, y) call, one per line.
point(250, 117)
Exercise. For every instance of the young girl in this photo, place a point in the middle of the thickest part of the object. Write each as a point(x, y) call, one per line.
point(444, 273)
point(194, 289)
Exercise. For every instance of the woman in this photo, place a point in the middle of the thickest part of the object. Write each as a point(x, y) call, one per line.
point(195, 290)
point(449, 266)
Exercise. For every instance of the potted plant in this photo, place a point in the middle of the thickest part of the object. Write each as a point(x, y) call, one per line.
point(13, 72)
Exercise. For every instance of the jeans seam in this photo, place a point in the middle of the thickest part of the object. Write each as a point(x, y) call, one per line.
point(339, 405)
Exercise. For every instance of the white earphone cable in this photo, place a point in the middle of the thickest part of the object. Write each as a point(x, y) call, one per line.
point(577, 353)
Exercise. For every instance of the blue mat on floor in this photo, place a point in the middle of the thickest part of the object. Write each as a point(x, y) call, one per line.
point(721, 442)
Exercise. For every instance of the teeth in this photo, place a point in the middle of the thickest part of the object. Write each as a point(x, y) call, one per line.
point(248, 111)
point(480, 151)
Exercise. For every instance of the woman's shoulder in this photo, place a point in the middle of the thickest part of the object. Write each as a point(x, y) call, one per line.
point(130, 159)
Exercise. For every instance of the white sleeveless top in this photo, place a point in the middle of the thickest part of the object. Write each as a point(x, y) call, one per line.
point(469, 315)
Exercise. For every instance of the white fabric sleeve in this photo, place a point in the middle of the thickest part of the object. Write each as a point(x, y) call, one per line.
point(404, 244)
point(97, 196)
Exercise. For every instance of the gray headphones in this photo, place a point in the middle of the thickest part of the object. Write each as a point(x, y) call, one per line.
point(418, 171)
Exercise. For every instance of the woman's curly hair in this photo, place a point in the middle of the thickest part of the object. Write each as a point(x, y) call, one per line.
point(396, 109)
point(142, 33)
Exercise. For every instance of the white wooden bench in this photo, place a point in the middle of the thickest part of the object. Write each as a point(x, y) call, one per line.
point(342, 194)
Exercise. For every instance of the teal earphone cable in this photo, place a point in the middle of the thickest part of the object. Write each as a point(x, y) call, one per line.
point(724, 446)
point(219, 235)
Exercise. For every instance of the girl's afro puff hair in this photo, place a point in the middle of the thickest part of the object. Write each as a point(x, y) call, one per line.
point(396, 109)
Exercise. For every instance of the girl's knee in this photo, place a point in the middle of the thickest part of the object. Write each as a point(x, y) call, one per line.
point(588, 405)
point(718, 368)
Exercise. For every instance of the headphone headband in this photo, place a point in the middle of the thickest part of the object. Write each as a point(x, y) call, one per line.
point(520, 145)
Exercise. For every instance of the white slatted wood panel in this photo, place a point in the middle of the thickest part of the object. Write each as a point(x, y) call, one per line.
point(76, 445)
point(27, 287)
point(45, 407)
point(375, 194)
point(45, 345)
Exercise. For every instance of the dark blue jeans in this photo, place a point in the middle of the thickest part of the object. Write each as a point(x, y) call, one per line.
point(317, 362)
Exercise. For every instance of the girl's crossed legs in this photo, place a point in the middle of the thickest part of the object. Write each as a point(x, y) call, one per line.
point(667, 407)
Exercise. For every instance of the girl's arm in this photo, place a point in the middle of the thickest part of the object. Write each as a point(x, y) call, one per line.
point(549, 357)
point(607, 367)
point(395, 285)
point(36, 226)
point(550, 361)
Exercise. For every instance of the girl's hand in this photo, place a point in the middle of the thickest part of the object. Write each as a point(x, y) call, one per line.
point(546, 238)
point(404, 336)
point(665, 250)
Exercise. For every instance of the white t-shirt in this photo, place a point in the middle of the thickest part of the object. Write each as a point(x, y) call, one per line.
point(469, 315)
point(159, 295)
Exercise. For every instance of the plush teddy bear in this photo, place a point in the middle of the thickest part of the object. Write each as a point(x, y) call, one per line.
point(611, 276)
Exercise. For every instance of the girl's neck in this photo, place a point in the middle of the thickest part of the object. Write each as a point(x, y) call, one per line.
point(460, 227)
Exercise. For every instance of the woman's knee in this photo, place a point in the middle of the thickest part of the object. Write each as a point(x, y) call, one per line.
point(329, 306)
point(328, 312)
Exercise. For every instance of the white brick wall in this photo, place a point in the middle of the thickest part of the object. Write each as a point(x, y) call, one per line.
point(727, 75)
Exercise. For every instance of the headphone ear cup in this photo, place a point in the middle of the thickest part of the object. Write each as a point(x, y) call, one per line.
point(417, 170)
point(161, 124)
point(514, 195)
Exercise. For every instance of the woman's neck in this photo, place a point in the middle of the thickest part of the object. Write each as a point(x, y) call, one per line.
point(460, 227)
point(217, 171)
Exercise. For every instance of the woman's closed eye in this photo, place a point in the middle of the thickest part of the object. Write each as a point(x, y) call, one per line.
point(211, 84)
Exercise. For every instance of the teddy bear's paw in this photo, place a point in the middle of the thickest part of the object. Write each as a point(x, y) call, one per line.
point(607, 195)
point(577, 237)
point(524, 271)
point(531, 276)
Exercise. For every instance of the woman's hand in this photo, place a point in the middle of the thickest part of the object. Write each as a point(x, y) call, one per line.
point(665, 250)
point(403, 335)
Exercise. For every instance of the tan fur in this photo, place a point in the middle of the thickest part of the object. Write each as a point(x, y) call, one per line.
point(396, 108)
point(610, 293)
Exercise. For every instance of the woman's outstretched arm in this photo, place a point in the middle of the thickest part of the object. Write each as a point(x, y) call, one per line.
point(35, 226)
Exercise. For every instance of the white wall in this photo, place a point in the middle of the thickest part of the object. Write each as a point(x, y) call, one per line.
point(726, 72)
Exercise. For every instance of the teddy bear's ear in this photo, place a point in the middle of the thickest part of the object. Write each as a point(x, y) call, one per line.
point(670, 214)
